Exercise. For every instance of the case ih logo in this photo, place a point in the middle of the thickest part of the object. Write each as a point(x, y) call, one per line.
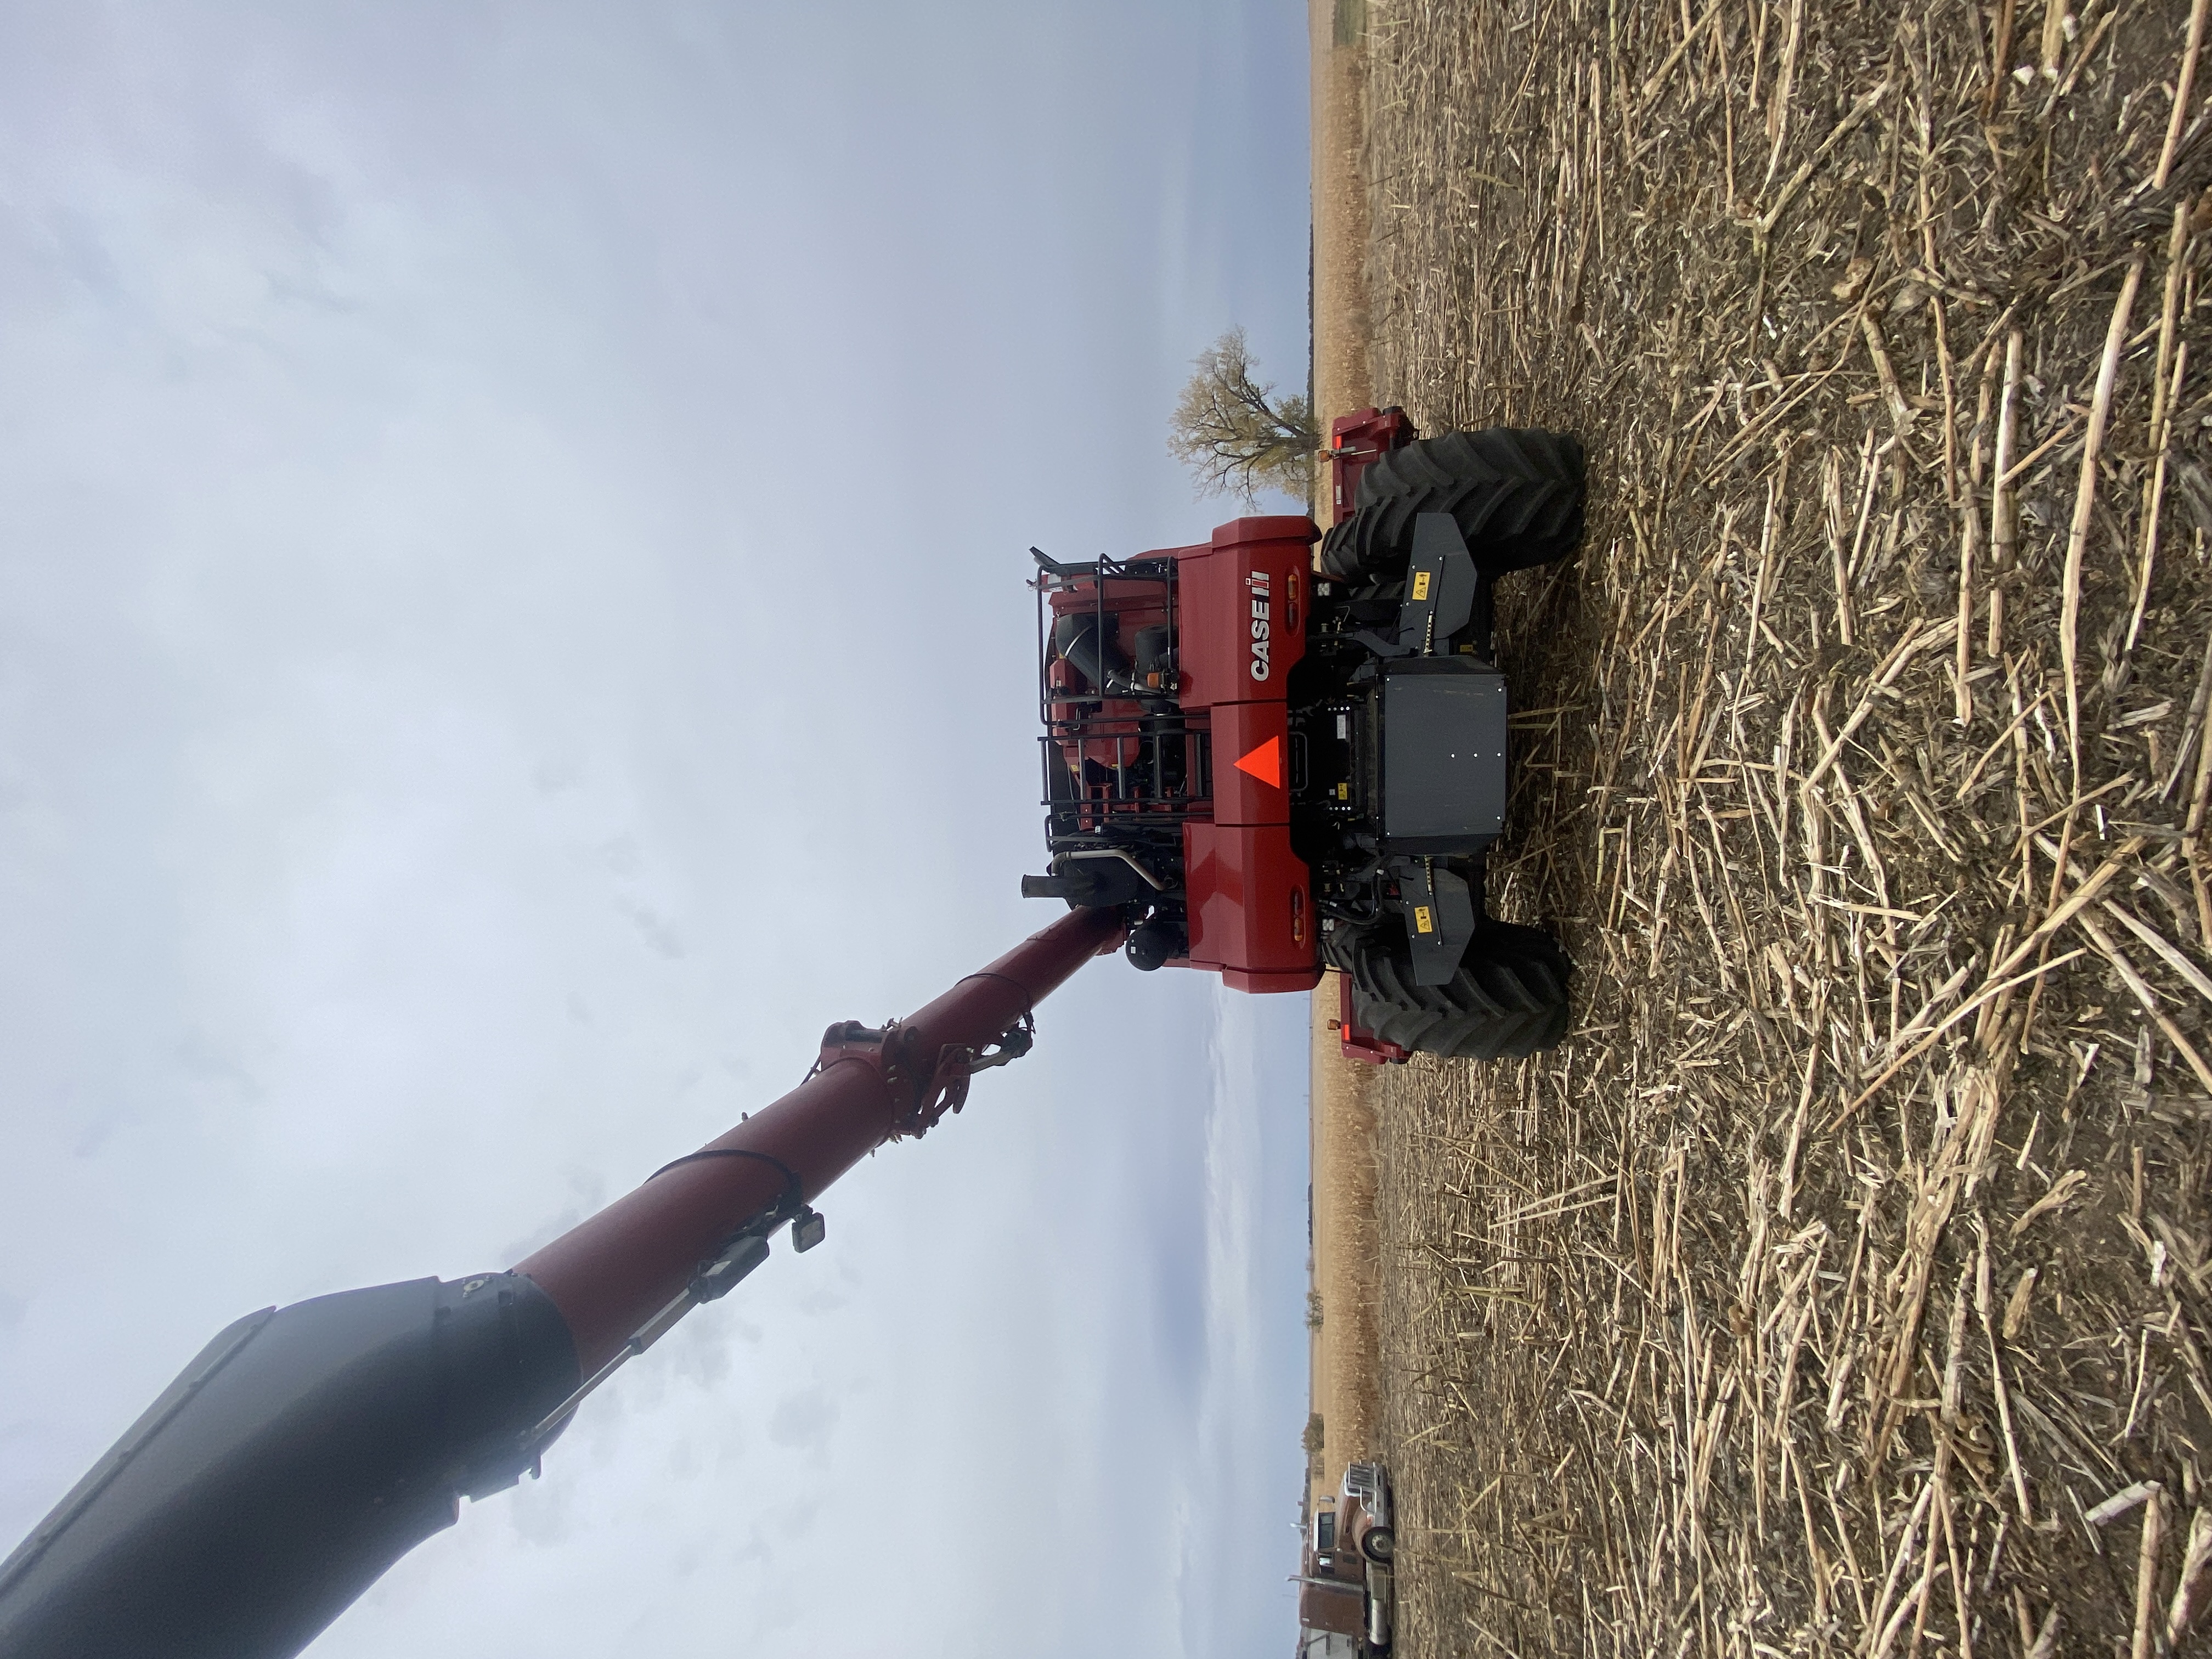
point(1258, 580)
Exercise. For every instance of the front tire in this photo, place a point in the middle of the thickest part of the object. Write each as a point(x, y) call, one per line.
point(1380, 1544)
point(1507, 1001)
point(1515, 492)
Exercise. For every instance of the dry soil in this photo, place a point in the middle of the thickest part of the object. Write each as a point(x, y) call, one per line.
point(1347, 1264)
point(1842, 1283)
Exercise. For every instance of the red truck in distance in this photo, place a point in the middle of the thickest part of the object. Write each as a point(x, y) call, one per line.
point(1347, 1588)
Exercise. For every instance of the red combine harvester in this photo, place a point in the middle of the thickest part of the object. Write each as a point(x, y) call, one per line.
point(1270, 763)
point(1253, 765)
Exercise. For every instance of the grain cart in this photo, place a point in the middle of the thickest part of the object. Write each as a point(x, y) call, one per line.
point(1269, 762)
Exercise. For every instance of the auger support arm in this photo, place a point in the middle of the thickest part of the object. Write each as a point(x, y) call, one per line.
point(610, 1274)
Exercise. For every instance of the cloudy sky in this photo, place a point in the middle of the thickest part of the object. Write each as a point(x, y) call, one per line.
point(512, 528)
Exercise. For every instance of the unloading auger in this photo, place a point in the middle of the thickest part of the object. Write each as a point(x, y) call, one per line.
point(308, 1447)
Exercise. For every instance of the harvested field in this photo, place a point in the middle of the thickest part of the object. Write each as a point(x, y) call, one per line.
point(1842, 1283)
point(1346, 1284)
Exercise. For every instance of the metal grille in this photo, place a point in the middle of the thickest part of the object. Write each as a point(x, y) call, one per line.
point(1122, 762)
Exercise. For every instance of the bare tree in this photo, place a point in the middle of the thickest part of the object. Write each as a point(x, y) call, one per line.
point(1236, 434)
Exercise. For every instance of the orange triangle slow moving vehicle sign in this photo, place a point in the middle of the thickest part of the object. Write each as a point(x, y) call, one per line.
point(1265, 763)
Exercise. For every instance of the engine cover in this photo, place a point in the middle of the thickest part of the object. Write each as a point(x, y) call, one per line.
point(1444, 776)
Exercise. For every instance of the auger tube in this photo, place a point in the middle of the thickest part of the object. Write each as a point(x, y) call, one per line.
point(308, 1447)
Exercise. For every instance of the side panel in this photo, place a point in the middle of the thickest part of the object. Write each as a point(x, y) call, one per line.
point(1355, 440)
point(1258, 791)
point(1340, 1609)
point(1354, 1040)
point(1243, 611)
point(1250, 907)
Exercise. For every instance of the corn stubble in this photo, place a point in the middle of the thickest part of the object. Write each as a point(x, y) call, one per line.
point(1842, 1285)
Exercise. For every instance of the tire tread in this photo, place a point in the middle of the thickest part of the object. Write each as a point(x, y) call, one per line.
point(1515, 493)
point(1508, 1000)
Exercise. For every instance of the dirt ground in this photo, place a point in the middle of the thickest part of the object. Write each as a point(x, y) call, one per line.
point(1346, 1366)
point(1342, 360)
point(1841, 1284)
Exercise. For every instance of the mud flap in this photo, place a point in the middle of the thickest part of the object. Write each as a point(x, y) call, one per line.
point(1440, 585)
point(1439, 919)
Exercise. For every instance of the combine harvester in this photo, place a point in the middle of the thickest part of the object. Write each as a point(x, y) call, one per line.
point(1359, 728)
point(1272, 767)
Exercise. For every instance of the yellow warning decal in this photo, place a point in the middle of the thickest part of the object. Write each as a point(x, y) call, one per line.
point(1423, 923)
point(1344, 792)
point(1421, 584)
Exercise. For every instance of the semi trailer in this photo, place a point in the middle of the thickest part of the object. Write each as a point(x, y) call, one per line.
point(1348, 1601)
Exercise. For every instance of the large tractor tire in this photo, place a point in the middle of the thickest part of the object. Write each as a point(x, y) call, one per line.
point(1515, 493)
point(1508, 1000)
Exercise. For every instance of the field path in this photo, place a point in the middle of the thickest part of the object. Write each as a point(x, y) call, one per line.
point(1346, 1262)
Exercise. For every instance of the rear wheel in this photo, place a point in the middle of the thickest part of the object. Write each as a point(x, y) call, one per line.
point(1508, 1000)
point(1515, 492)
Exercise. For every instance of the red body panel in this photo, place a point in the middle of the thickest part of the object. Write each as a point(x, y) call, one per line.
point(1250, 904)
point(1243, 611)
point(1242, 628)
point(1257, 734)
point(612, 1272)
point(1339, 1608)
point(1354, 1040)
point(1354, 442)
